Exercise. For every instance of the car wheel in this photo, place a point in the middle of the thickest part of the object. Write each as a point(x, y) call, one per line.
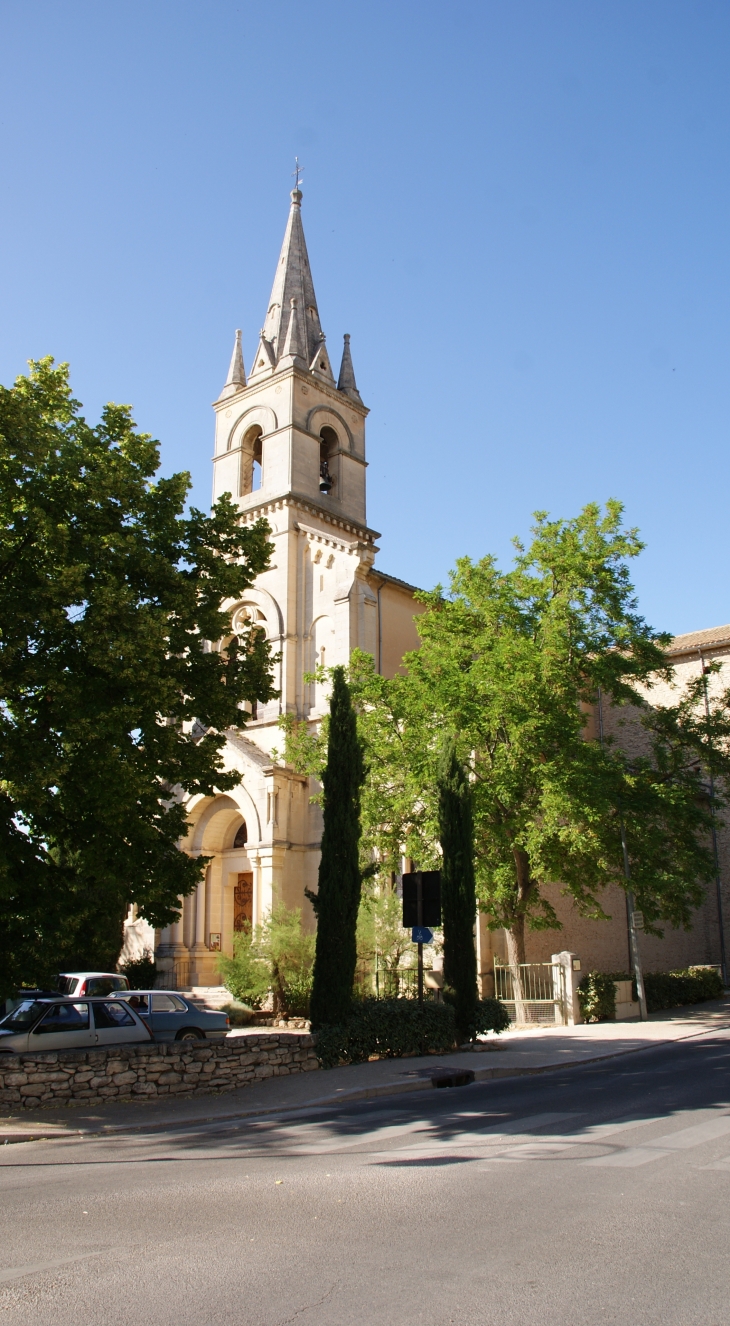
point(190, 1034)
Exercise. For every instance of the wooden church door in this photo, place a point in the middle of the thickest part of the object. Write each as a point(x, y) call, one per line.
point(243, 901)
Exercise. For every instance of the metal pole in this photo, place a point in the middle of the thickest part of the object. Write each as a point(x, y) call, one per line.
point(718, 885)
point(633, 938)
point(629, 904)
point(419, 903)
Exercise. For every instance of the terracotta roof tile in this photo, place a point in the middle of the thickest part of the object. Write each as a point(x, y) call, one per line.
point(694, 640)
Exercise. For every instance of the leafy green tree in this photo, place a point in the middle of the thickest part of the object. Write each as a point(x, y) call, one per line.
point(338, 896)
point(382, 940)
point(114, 706)
point(512, 662)
point(275, 957)
point(248, 973)
point(458, 893)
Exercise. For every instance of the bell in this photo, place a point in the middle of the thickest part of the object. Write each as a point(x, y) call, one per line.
point(325, 482)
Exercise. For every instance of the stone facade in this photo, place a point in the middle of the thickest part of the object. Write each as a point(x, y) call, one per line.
point(289, 447)
point(604, 945)
point(149, 1072)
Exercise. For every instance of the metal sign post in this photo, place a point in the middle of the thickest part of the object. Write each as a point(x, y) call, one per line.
point(421, 909)
point(419, 904)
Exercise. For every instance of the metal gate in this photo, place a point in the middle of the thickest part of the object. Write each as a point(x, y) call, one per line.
point(179, 978)
point(534, 992)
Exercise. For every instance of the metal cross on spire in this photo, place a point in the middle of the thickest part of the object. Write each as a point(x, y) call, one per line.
point(297, 172)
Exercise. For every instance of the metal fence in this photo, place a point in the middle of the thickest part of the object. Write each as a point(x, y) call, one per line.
point(392, 982)
point(533, 992)
point(180, 975)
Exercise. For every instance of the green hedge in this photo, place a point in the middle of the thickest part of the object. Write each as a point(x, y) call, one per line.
point(597, 996)
point(663, 989)
point(674, 988)
point(388, 1028)
point(391, 1028)
point(491, 1016)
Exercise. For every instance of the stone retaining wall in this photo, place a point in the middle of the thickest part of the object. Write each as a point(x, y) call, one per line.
point(148, 1072)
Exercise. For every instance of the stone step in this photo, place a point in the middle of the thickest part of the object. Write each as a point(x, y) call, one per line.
point(212, 996)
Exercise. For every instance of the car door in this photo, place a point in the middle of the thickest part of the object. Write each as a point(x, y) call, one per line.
point(167, 1016)
point(115, 1024)
point(63, 1027)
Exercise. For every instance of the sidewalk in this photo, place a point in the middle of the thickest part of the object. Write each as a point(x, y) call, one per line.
point(513, 1054)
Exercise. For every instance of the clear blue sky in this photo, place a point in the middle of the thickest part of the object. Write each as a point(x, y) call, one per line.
point(519, 210)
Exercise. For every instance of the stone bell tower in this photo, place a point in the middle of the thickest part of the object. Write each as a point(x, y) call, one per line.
point(290, 446)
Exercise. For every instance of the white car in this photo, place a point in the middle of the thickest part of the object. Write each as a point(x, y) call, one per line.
point(90, 982)
point(70, 1024)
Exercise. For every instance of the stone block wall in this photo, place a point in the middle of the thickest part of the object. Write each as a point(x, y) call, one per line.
point(150, 1072)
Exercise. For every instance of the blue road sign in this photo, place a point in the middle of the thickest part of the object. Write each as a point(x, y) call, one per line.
point(420, 934)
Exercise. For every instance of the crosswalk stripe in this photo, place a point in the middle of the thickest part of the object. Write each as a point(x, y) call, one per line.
point(294, 1139)
point(682, 1140)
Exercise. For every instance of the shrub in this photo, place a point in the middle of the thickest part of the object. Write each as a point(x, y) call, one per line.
point(672, 989)
point(388, 1028)
point(290, 953)
point(663, 989)
point(597, 996)
point(239, 1014)
point(276, 956)
point(491, 1015)
point(247, 975)
point(140, 972)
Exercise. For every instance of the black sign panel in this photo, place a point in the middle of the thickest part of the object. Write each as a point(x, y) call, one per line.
point(429, 884)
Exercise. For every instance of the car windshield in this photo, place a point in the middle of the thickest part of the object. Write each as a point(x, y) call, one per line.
point(103, 985)
point(66, 985)
point(23, 1016)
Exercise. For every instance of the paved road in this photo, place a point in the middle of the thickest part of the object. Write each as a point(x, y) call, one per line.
point(598, 1195)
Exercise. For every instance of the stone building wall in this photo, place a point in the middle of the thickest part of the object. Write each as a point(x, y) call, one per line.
point(604, 945)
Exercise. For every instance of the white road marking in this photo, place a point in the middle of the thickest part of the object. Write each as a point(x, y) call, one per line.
point(35, 1268)
point(422, 1131)
point(682, 1140)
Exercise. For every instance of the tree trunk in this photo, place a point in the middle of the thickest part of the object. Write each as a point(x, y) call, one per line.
point(515, 957)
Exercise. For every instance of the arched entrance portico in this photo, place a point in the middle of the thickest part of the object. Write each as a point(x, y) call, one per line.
point(227, 830)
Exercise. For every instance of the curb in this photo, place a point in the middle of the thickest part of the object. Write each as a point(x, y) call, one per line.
point(384, 1089)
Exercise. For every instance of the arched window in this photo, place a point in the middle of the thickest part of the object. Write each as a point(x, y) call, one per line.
point(328, 444)
point(241, 837)
point(256, 465)
point(251, 460)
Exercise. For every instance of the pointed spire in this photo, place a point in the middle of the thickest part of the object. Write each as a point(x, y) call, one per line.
point(346, 380)
point(293, 281)
point(264, 359)
point(294, 350)
point(236, 379)
point(321, 362)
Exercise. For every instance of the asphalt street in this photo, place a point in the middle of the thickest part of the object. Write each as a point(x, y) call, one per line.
point(595, 1195)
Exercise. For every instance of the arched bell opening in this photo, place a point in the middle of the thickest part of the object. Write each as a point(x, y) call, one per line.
point(251, 474)
point(328, 446)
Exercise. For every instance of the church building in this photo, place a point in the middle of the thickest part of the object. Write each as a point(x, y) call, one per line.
point(289, 446)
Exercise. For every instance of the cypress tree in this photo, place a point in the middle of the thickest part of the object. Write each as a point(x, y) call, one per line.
point(458, 892)
point(338, 896)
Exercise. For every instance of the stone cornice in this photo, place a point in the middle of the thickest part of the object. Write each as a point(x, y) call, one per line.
point(299, 502)
point(304, 376)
